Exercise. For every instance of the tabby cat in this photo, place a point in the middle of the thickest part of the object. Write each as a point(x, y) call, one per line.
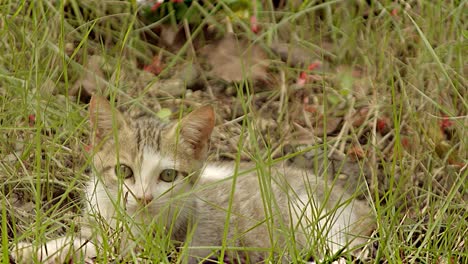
point(156, 173)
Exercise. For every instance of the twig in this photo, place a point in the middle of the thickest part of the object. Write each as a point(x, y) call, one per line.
point(343, 131)
point(283, 91)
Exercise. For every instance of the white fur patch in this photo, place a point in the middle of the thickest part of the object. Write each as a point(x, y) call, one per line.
point(152, 162)
point(217, 172)
point(147, 181)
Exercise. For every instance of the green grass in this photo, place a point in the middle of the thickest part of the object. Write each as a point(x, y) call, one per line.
point(413, 72)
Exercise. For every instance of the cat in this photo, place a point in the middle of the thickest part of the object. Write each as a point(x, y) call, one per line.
point(155, 174)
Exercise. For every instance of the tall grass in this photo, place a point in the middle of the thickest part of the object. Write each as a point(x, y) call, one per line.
point(414, 67)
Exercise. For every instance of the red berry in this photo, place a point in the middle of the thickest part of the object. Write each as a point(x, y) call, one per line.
point(32, 119)
point(314, 65)
point(445, 123)
point(381, 124)
point(155, 7)
point(254, 24)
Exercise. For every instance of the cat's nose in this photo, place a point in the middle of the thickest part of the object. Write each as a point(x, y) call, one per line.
point(146, 199)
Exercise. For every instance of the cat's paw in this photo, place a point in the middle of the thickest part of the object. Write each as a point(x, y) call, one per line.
point(22, 253)
point(57, 251)
point(26, 253)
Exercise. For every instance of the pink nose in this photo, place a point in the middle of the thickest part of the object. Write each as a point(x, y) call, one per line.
point(146, 199)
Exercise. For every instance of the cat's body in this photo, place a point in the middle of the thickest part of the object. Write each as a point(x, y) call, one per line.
point(148, 173)
point(273, 207)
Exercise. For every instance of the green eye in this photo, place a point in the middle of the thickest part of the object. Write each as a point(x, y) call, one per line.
point(124, 171)
point(168, 175)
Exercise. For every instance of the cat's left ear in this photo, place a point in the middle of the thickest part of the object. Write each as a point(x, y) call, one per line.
point(195, 130)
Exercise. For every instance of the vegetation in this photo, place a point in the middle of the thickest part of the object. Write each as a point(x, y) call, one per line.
point(379, 86)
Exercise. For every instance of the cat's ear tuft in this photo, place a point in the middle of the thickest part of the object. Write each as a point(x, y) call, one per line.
point(102, 118)
point(196, 128)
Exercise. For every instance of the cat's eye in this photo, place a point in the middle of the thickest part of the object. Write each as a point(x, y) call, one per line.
point(168, 175)
point(124, 171)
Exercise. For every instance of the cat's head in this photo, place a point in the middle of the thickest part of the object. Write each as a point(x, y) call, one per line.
point(146, 160)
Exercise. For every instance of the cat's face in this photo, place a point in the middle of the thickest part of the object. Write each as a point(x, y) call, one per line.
point(145, 164)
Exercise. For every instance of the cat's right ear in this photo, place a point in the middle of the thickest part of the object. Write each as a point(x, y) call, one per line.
point(102, 118)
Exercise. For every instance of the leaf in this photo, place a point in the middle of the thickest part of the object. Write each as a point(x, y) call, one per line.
point(333, 99)
point(346, 83)
point(237, 5)
point(356, 152)
point(164, 113)
point(234, 60)
point(155, 67)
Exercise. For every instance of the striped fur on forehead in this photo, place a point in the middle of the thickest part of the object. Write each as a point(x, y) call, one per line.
point(149, 132)
point(155, 136)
